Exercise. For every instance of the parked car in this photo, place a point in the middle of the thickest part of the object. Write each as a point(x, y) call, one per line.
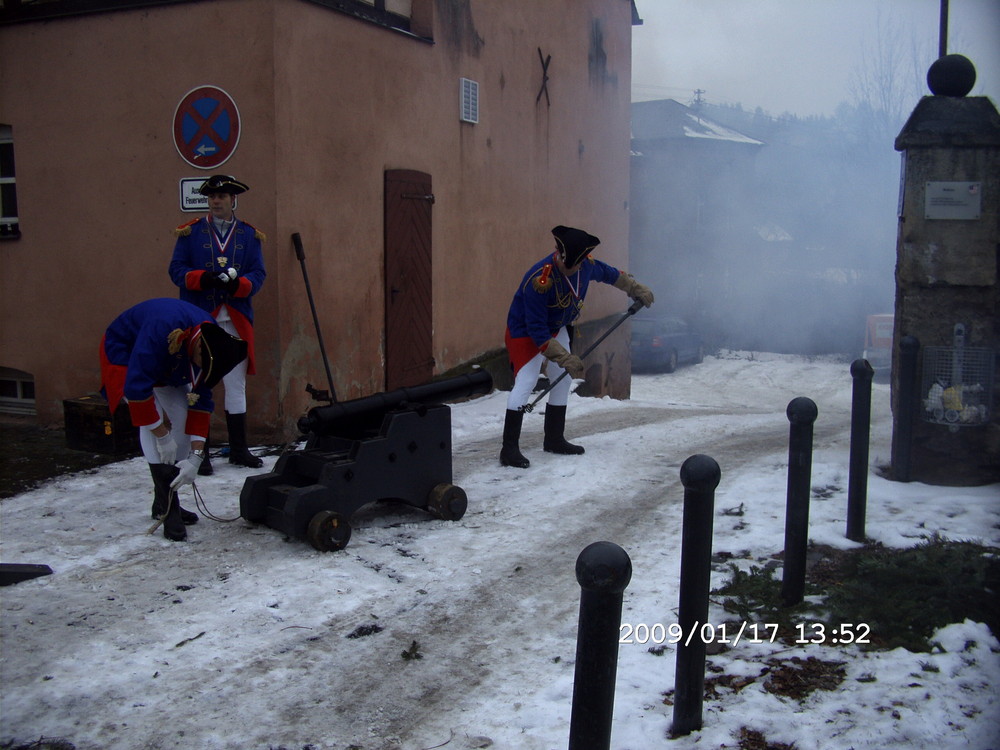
point(660, 343)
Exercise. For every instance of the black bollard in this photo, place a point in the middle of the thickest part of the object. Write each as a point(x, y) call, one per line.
point(861, 422)
point(603, 570)
point(700, 476)
point(908, 405)
point(801, 414)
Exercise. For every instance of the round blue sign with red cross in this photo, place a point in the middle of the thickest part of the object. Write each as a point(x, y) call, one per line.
point(206, 127)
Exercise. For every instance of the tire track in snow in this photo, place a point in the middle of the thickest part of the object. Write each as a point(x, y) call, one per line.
point(530, 585)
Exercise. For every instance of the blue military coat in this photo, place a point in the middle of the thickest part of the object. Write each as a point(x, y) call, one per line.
point(199, 248)
point(148, 346)
point(547, 300)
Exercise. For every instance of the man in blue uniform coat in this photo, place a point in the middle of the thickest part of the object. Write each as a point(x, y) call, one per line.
point(545, 305)
point(164, 356)
point(218, 264)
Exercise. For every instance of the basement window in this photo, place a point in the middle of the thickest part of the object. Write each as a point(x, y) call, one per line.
point(10, 228)
point(17, 392)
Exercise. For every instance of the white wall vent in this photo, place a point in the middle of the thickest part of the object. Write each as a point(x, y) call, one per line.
point(469, 95)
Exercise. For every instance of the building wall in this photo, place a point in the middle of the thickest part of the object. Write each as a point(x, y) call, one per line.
point(327, 104)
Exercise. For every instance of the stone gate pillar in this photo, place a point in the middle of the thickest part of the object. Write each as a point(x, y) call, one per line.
point(947, 291)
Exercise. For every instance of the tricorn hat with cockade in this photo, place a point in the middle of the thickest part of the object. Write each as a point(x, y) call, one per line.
point(220, 353)
point(223, 183)
point(574, 244)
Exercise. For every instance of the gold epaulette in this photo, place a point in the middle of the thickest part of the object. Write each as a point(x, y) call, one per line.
point(542, 282)
point(258, 235)
point(185, 229)
point(175, 339)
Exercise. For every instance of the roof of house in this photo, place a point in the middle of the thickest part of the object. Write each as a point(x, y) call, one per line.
point(666, 119)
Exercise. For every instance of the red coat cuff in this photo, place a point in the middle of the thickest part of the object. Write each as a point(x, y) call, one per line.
point(192, 280)
point(143, 412)
point(197, 422)
point(245, 287)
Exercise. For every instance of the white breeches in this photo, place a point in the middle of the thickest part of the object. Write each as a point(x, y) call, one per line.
point(527, 377)
point(235, 382)
point(172, 404)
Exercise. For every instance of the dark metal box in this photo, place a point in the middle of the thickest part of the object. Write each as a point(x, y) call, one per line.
point(91, 427)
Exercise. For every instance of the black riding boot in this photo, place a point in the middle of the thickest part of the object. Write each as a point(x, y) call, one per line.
point(173, 524)
point(510, 454)
point(555, 423)
point(206, 470)
point(161, 492)
point(239, 454)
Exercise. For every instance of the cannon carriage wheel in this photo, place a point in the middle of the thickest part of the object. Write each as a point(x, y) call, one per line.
point(328, 531)
point(448, 502)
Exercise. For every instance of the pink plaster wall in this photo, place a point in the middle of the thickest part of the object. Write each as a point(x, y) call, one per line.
point(327, 103)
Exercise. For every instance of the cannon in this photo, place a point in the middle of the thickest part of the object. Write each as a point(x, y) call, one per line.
point(388, 446)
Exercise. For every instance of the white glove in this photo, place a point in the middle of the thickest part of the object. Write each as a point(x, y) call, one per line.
point(189, 469)
point(167, 449)
point(228, 275)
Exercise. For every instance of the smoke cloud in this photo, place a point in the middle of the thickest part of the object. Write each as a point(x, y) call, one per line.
point(772, 234)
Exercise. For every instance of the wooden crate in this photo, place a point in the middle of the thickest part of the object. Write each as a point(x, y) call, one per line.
point(91, 427)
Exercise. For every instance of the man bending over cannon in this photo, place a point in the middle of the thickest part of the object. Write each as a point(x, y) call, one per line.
point(164, 356)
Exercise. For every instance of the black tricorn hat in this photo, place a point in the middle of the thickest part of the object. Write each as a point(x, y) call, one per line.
point(574, 244)
point(220, 353)
point(223, 183)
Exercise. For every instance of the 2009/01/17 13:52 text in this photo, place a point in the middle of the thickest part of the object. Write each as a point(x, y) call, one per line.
point(727, 633)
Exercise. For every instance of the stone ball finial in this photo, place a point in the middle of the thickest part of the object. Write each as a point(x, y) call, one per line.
point(951, 75)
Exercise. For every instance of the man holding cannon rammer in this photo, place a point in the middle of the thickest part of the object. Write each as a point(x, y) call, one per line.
point(548, 300)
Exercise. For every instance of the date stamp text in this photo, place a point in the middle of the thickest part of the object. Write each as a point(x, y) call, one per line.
point(733, 634)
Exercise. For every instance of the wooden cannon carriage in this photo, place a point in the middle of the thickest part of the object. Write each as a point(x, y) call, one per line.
point(389, 446)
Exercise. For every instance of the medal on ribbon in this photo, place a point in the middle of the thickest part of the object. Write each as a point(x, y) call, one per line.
point(222, 243)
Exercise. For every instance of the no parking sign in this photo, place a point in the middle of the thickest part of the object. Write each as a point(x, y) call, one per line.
point(206, 127)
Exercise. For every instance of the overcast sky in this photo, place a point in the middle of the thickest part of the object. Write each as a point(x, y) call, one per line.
point(797, 56)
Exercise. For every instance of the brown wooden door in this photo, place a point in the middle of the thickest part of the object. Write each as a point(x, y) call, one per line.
point(409, 356)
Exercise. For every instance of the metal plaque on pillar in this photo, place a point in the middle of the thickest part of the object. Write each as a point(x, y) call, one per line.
point(953, 200)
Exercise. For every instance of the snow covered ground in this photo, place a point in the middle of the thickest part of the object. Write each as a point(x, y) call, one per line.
point(425, 633)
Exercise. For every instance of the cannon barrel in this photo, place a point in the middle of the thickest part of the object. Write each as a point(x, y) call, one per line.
point(322, 418)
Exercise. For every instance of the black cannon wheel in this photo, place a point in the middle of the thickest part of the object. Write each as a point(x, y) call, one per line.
point(329, 531)
point(448, 502)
